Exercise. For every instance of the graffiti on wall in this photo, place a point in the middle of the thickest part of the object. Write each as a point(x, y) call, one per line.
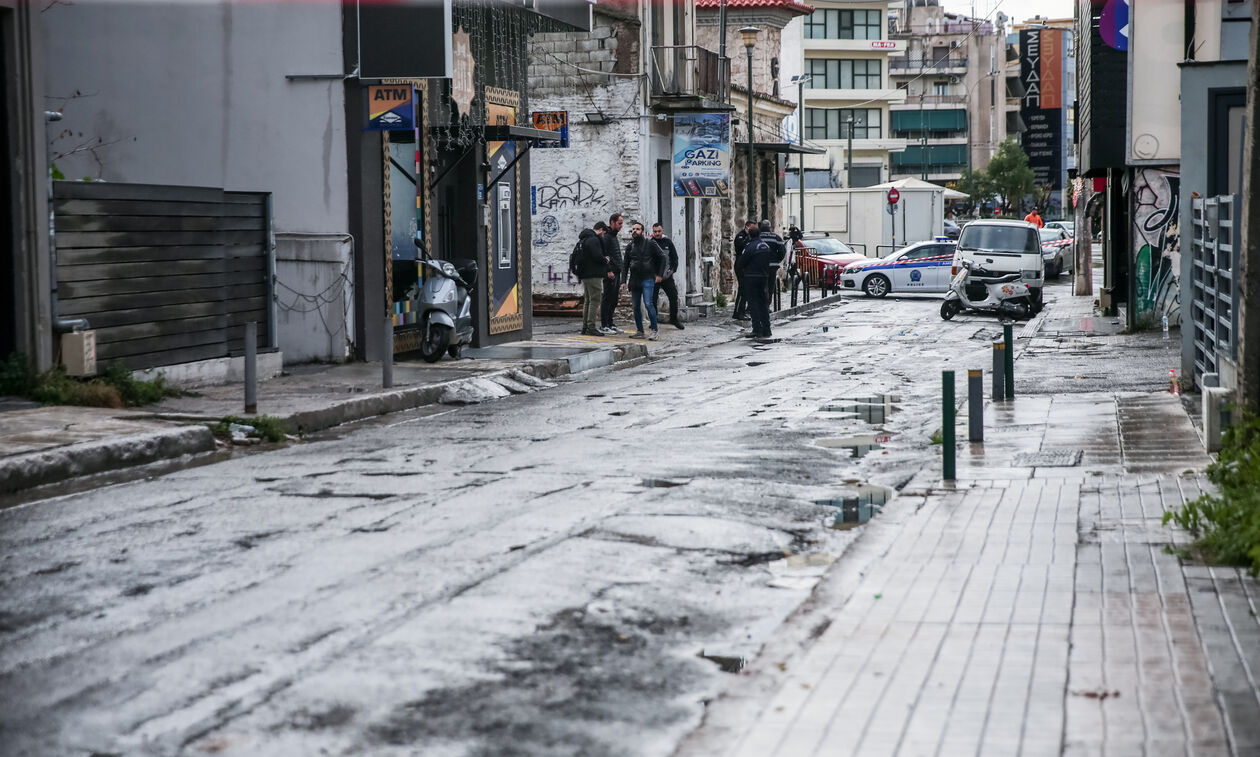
point(569, 191)
point(1157, 239)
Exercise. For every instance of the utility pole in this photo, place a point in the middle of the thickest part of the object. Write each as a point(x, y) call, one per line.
point(1249, 294)
point(922, 136)
point(848, 156)
point(749, 36)
point(800, 140)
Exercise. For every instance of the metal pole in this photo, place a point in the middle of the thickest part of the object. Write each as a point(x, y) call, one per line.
point(387, 354)
point(848, 157)
point(999, 370)
point(251, 367)
point(975, 405)
point(750, 133)
point(947, 424)
point(1010, 361)
point(724, 85)
point(800, 140)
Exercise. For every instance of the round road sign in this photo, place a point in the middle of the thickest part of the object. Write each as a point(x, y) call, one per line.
point(893, 196)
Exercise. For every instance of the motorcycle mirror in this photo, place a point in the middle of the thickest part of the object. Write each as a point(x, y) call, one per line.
point(418, 241)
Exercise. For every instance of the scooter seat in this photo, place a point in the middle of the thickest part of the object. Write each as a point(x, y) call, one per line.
point(467, 269)
point(996, 279)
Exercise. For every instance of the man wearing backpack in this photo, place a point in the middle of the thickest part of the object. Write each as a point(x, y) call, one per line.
point(588, 264)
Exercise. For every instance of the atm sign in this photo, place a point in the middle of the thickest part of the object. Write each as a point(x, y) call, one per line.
point(552, 120)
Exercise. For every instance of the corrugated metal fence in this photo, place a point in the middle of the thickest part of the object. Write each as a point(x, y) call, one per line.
point(164, 274)
point(1213, 294)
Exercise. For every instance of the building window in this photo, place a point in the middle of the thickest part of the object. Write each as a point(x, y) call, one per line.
point(830, 23)
point(940, 88)
point(815, 178)
point(832, 123)
point(833, 73)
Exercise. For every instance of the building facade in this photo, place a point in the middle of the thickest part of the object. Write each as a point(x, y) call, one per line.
point(954, 74)
point(1047, 104)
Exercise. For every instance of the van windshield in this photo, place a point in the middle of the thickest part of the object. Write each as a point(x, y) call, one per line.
point(999, 238)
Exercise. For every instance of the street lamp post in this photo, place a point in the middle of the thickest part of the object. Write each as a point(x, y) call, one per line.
point(848, 156)
point(749, 36)
point(800, 82)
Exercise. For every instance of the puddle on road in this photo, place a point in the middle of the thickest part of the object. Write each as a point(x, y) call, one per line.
point(726, 663)
point(858, 505)
point(857, 446)
point(661, 483)
point(875, 410)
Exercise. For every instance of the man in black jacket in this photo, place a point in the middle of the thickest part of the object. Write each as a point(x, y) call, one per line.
point(592, 269)
point(778, 250)
point(754, 265)
point(615, 277)
point(645, 264)
point(741, 241)
point(667, 283)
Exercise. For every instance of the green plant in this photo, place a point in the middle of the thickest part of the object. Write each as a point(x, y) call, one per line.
point(720, 300)
point(135, 392)
point(266, 427)
point(16, 379)
point(937, 437)
point(1226, 525)
point(54, 387)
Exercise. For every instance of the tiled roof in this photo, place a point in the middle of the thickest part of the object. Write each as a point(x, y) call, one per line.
point(790, 5)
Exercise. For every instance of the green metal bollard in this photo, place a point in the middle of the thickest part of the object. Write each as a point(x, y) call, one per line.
point(947, 424)
point(1007, 340)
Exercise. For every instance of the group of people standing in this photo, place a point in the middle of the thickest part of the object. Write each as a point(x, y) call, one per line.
point(647, 266)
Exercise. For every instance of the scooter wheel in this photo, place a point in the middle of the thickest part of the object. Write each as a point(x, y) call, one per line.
point(455, 351)
point(436, 339)
point(950, 308)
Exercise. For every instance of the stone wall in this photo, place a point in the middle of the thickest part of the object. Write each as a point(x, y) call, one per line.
point(598, 174)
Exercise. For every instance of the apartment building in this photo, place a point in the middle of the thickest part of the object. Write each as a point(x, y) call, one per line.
point(845, 53)
point(956, 82)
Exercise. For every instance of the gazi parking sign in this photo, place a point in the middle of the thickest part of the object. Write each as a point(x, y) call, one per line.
point(702, 155)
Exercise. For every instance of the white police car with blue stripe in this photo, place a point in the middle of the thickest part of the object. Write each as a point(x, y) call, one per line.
point(920, 267)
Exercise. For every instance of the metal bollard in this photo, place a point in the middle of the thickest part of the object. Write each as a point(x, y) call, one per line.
point(975, 405)
point(251, 367)
point(387, 354)
point(947, 425)
point(1009, 375)
point(999, 370)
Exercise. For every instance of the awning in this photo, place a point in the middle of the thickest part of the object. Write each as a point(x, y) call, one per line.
point(512, 133)
point(783, 147)
point(935, 120)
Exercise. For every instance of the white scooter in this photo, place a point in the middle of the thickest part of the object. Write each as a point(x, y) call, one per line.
point(442, 298)
point(979, 290)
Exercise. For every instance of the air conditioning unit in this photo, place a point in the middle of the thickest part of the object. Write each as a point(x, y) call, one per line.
point(953, 80)
point(953, 44)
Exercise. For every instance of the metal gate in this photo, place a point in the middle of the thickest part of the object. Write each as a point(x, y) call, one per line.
point(1213, 294)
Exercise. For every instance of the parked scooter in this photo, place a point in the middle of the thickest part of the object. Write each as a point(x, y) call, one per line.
point(442, 299)
point(979, 290)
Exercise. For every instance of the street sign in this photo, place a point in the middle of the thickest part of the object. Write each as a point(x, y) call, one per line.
point(893, 196)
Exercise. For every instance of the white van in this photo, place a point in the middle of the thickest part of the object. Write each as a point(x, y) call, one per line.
point(1002, 246)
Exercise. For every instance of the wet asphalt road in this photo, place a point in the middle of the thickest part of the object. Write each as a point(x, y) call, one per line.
point(537, 575)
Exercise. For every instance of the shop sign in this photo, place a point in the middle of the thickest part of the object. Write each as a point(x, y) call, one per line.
point(463, 85)
point(390, 107)
point(702, 155)
point(883, 44)
point(551, 120)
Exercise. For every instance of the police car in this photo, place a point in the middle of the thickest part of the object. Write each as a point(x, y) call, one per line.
point(920, 267)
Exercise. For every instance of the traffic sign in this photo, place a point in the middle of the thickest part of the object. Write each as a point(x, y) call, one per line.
point(893, 196)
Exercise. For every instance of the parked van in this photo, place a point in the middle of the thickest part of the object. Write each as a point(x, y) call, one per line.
point(999, 246)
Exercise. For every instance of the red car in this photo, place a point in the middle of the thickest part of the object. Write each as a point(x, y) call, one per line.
point(832, 256)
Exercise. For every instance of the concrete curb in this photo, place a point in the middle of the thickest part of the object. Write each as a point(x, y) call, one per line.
point(807, 307)
point(61, 463)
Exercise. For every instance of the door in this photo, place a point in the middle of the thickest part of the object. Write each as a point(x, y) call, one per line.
point(503, 279)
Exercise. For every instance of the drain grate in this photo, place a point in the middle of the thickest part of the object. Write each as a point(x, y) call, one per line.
point(1049, 458)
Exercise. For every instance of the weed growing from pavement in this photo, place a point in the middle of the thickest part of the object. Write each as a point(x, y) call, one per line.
point(266, 427)
point(1226, 525)
point(116, 388)
point(720, 300)
point(937, 437)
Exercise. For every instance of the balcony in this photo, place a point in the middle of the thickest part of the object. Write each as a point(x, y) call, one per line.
point(905, 66)
point(689, 77)
point(913, 101)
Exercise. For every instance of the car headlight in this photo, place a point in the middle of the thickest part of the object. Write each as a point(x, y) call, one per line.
point(848, 271)
point(1030, 274)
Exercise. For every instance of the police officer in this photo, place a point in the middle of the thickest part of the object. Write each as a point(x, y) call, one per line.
point(754, 266)
point(741, 241)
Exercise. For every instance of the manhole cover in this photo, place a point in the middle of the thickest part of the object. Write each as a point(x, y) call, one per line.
point(1049, 458)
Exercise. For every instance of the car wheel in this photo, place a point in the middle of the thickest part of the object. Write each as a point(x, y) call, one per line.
point(876, 286)
point(1052, 270)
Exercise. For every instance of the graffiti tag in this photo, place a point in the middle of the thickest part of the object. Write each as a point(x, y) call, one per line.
point(569, 192)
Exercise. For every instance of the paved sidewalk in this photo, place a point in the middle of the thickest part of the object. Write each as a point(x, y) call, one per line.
point(1031, 608)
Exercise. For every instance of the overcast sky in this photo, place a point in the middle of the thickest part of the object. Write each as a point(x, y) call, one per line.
point(1018, 10)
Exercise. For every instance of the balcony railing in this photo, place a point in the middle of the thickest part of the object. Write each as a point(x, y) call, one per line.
point(689, 73)
point(912, 101)
point(926, 65)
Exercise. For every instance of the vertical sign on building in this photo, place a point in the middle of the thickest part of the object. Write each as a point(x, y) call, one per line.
point(1041, 71)
point(702, 155)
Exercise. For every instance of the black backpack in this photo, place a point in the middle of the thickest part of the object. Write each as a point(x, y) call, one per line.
point(575, 258)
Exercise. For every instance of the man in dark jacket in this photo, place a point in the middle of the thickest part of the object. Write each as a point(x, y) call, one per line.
point(779, 251)
point(645, 263)
point(667, 283)
point(754, 265)
point(741, 241)
point(615, 277)
point(592, 269)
